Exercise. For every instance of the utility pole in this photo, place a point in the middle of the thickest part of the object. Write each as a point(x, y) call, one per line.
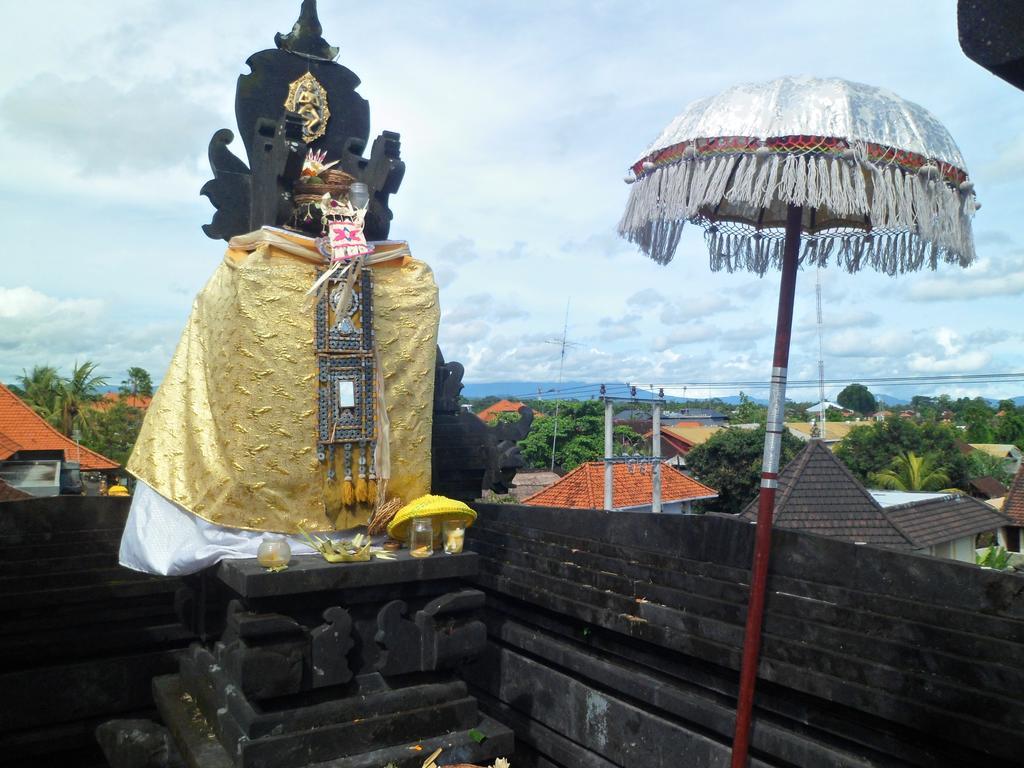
point(656, 454)
point(609, 412)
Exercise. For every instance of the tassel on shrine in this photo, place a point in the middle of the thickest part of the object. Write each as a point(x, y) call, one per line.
point(361, 496)
point(371, 491)
point(348, 491)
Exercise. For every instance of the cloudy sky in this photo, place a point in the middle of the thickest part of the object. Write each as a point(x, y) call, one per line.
point(518, 121)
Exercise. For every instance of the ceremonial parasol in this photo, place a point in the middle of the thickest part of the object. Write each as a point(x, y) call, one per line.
point(794, 171)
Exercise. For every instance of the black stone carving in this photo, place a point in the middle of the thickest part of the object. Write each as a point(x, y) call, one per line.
point(137, 744)
point(263, 654)
point(306, 39)
point(441, 635)
point(329, 645)
point(469, 456)
point(248, 197)
point(313, 663)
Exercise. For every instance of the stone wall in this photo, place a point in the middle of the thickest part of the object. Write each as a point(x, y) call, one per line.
point(80, 637)
point(616, 642)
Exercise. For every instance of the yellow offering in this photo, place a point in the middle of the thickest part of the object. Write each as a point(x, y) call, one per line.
point(438, 508)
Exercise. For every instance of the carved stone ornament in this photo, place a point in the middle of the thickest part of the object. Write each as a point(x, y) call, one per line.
point(309, 99)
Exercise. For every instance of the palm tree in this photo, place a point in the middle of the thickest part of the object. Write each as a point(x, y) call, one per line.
point(75, 393)
point(910, 472)
point(41, 389)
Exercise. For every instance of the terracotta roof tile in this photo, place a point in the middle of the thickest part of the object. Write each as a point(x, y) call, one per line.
point(1013, 506)
point(502, 406)
point(132, 401)
point(22, 429)
point(583, 488)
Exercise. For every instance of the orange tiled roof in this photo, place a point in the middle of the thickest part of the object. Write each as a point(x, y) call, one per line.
point(583, 488)
point(502, 406)
point(22, 429)
point(1013, 506)
point(132, 401)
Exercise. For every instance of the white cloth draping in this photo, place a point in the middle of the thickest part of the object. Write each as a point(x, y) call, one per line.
point(162, 538)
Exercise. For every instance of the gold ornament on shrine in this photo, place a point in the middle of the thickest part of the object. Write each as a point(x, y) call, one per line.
point(309, 99)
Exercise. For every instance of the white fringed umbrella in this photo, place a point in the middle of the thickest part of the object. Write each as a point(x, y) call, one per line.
point(851, 173)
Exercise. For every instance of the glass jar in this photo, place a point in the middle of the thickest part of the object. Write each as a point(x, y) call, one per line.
point(421, 537)
point(273, 553)
point(454, 532)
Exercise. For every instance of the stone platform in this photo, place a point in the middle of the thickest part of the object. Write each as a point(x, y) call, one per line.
point(349, 665)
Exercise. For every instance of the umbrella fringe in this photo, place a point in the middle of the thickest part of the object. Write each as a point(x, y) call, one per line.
point(910, 219)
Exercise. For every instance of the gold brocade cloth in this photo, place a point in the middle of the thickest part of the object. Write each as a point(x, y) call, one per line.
point(231, 432)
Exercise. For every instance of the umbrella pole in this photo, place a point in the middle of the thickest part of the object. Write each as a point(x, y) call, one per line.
point(769, 482)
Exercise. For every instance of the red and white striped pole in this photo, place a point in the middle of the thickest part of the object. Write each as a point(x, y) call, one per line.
point(769, 482)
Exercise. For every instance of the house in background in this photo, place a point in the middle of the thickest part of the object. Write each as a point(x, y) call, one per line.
point(1010, 454)
point(1012, 534)
point(632, 489)
point(830, 432)
point(110, 399)
point(492, 412)
point(528, 482)
point(679, 440)
point(35, 457)
point(818, 494)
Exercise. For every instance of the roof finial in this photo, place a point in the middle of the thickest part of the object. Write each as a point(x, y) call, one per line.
point(305, 38)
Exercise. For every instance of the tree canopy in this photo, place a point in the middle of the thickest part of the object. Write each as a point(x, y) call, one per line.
point(137, 383)
point(730, 462)
point(857, 398)
point(870, 449)
point(910, 472)
point(580, 436)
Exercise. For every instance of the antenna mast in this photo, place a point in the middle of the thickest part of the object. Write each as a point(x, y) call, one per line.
point(558, 388)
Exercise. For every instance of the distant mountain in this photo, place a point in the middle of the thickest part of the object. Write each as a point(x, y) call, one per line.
point(890, 400)
point(526, 390)
point(580, 390)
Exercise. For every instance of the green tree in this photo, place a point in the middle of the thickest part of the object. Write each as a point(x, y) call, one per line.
point(749, 412)
point(730, 462)
point(580, 436)
point(1009, 427)
point(977, 416)
point(857, 398)
point(41, 390)
point(137, 384)
point(910, 472)
point(114, 431)
point(869, 449)
point(75, 394)
point(981, 464)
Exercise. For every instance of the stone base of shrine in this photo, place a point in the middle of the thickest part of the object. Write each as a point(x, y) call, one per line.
point(352, 665)
point(391, 738)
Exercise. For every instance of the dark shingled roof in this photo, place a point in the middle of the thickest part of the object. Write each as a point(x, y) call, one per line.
point(818, 494)
point(1013, 507)
point(934, 521)
point(989, 487)
point(10, 493)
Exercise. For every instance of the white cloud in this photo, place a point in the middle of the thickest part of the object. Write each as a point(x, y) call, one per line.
point(986, 279)
point(37, 329)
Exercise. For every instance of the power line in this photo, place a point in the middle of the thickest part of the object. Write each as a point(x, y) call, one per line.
point(954, 378)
